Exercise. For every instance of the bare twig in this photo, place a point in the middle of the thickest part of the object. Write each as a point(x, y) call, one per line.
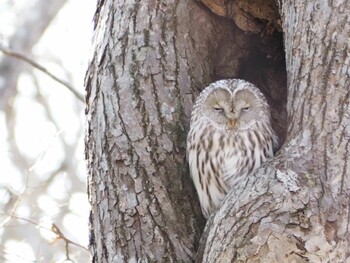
point(60, 235)
point(20, 56)
point(54, 229)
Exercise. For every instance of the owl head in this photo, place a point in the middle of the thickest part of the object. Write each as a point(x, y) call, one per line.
point(232, 105)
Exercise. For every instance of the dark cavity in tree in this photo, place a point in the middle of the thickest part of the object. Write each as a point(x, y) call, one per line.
point(252, 49)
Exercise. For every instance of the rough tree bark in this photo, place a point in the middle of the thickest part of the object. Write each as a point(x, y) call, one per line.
point(150, 60)
point(141, 83)
point(296, 208)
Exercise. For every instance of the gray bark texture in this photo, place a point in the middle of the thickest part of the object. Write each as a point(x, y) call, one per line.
point(296, 207)
point(141, 83)
point(150, 60)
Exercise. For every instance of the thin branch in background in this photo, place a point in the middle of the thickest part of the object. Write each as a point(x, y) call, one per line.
point(19, 161)
point(17, 55)
point(53, 228)
point(15, 204)
point(60, 235)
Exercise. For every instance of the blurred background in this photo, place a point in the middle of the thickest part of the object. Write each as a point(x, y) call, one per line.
point(43, 201)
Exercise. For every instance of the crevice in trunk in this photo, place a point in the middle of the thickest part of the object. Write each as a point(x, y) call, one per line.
point(253, 50)
point(257, 56)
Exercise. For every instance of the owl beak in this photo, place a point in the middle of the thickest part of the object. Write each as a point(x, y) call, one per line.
point(232, 123)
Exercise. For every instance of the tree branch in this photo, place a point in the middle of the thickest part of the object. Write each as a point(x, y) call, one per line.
point(20, 56)
point(29, 30)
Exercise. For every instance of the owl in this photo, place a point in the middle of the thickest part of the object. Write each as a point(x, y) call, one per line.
point(230, 136)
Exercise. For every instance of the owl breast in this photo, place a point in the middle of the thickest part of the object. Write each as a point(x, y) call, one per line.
point(230, 136)
point(220, 158)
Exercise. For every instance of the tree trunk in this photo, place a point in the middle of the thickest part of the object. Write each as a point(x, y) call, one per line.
point(296, 207)
point(150, 61)
point(141, 82)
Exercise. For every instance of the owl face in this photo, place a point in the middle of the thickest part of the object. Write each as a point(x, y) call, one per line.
point(236, 109)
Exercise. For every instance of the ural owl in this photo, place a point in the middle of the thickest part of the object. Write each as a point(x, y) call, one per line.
point(230, 136)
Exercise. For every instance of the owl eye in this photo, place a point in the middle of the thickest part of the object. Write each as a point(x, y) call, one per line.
point(218, 109)
point(245, 109)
